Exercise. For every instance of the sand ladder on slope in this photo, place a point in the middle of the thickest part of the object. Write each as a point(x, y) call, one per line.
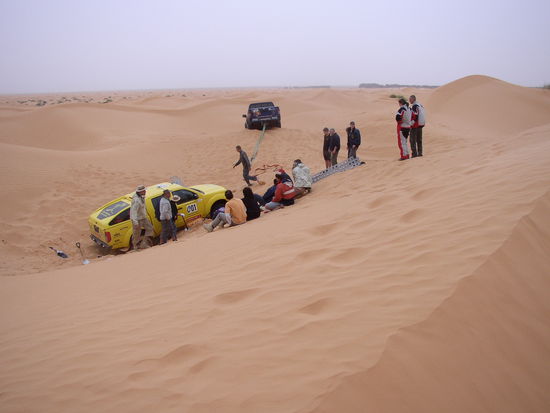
point(339, 167)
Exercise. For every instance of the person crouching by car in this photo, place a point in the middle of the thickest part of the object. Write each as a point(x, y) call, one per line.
point(253, 210)
point(284, 194)
point(167, 218)
point(141, 225)
point(234, 214)
point(302, 178)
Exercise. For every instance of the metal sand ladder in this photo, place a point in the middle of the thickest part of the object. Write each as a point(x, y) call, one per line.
point(340, 167)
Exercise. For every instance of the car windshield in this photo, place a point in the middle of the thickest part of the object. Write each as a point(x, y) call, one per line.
point(112, 209)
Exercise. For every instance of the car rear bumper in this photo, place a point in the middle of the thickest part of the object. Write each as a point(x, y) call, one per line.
point(99, 242)
point(265, 120)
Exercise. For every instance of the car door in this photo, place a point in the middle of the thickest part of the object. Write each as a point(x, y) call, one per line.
point(190, 205)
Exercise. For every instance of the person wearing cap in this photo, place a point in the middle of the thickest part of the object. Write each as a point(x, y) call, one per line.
point(234, 214)
point(175, 213)
point(334, 146)
point(302, 178)
point(326, 144)
point(167, 218)
point(284, 194)
point(140, 221)
point(354, 140)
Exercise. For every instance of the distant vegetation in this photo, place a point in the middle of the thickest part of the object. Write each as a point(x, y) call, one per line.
point(546, 86)
point(397, 96)
point(393, 86)
point(311, 87)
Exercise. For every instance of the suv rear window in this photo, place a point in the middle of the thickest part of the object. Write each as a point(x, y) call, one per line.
point(261, 105)
point(112, 209)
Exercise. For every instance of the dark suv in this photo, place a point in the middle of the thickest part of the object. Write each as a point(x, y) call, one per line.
point(262, 113)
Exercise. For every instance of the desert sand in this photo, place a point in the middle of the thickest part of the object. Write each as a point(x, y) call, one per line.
point(395, 287)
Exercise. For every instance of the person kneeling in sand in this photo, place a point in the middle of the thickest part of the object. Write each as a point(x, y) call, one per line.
point(235, 213)
point(284, 194)
point(302, 178)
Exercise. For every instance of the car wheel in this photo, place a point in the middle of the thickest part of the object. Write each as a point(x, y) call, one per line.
point(278, 124)
point(217, 204)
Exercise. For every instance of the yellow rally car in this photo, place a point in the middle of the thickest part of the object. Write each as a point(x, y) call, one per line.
point(110, 225)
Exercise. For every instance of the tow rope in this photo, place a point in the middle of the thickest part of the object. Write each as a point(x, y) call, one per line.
point(258, 143)
point(263, 169)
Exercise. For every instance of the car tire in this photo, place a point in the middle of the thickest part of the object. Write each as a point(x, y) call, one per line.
point(278, 124)
point(217, 204)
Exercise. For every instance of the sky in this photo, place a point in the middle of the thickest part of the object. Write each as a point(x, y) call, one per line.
point(97, 45)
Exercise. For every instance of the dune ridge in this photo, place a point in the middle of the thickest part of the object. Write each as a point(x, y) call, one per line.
point(486, 339)
point(296, 311)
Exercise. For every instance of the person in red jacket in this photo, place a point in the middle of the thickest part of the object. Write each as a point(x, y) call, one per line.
point(284, 194)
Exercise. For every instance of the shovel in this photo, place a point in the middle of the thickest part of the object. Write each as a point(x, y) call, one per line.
point(59, 253)
point(185, 228)
point(84, 260)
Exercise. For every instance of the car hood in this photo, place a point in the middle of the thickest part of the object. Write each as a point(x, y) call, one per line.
point(208, 188)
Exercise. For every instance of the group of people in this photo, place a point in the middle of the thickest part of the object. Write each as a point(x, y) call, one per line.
point(283, 193)
point(410, 121)
point(410, 118)
point(331, 144)
point(167, 214)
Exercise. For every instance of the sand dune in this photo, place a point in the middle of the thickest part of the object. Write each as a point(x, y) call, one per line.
point(398, 286)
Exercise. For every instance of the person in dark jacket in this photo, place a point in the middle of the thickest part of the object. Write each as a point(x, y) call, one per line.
point(334, 146)
point(175, 213)
point(253, 210)
point(326, 143)
point(243, 159)
point(268, 196)
point(354, 140)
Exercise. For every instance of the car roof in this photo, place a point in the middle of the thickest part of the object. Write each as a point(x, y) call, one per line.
point(158, 189)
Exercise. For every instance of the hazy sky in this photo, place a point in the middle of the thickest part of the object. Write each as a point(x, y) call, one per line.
point(83, 45)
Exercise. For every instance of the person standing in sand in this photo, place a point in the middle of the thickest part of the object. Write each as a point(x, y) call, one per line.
point(140, 221)
point(167, 218)
point(326, 144)
point(403, 119)
point(354, 140)
point(243, 159)
point(418, 122)
point(234, 214)
point(334, 146)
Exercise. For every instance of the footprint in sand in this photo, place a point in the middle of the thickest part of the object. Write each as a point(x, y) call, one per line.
point(316, 307)
point(235, 296)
